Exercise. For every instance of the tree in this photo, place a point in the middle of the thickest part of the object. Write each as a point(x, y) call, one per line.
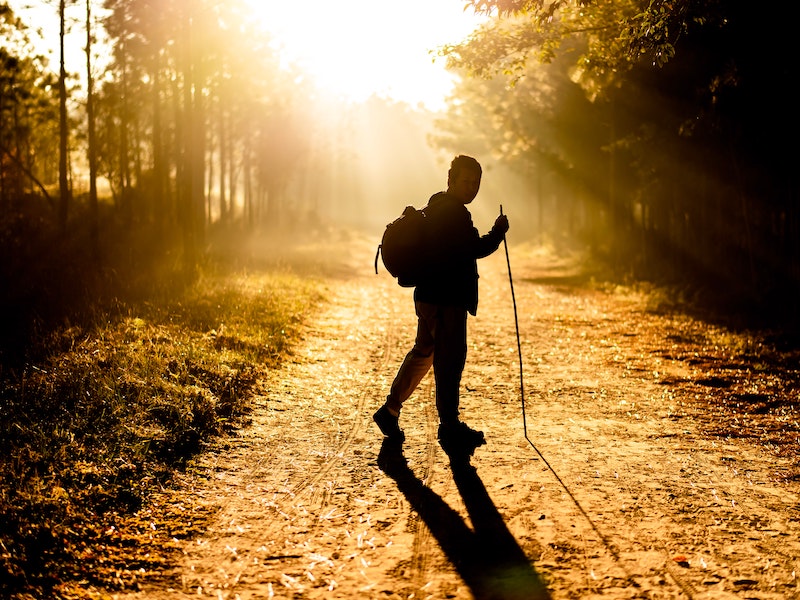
point(681, 89)
point(91, 136)
point(63, 149)
point(219, 97)
point(28, 115)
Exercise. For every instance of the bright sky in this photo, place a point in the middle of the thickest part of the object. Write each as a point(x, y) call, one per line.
point(352, 48)
point(356, 48)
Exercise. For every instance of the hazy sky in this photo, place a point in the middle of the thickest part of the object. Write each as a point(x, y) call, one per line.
point(353, 48)
point(359, 47)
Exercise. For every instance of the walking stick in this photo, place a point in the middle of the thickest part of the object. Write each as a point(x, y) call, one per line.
point(519, 346)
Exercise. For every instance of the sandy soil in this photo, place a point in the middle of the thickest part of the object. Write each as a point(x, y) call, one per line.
point(622, 489)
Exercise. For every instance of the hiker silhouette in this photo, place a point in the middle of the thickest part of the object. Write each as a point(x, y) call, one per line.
point(443, 298)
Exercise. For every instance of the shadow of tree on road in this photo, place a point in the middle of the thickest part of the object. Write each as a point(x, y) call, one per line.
point(486, 556)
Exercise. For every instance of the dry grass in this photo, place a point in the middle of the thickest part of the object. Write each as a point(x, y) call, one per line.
point(102, 420)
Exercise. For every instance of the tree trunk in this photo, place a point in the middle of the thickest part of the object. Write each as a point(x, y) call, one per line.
point(223, 149)
point(247, 162)
point(63, 207)
point(93, 204)
point(124, 158)
point(198, 121)
point(188, 153)
point(232, 180)
point(159, 170)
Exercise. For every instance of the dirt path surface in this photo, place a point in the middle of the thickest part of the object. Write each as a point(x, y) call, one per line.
point(634, 494)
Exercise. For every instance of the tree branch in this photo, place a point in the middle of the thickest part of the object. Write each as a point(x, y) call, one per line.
point(30, 175)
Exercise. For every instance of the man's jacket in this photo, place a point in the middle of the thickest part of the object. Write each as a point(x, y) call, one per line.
point(456, 245)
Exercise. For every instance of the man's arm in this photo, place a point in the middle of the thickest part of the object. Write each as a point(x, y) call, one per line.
point(490, 242)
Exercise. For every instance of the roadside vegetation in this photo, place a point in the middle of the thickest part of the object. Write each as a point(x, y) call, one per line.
point(100, 413)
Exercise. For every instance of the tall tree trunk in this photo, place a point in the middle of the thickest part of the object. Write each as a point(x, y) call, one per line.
point(232, 178)
point(139, 203)
point(63, 207)
point(188, 217)
point(124, 158)
point(93, 205)
point(198, 121)
point(247, 162)
point(210, 182)
point(159, 170)
point(223, 149)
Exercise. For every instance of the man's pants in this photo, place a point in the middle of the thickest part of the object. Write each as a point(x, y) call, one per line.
point(442, 342)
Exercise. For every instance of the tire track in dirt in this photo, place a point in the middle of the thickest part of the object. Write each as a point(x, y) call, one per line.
point(369, 391)
point(376, 359)
point(423, 538)
point(318, 488)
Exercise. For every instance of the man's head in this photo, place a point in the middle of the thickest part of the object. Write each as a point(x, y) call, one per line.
point(464, 178)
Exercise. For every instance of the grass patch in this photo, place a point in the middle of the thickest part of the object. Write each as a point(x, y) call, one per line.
point(107, 413)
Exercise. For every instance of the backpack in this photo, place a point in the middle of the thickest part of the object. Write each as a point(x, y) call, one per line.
point(404, 247)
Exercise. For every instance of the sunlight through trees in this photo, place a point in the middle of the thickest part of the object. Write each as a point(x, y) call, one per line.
point(639, 131)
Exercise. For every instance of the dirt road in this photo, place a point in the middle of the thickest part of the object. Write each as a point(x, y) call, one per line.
point(631, 496)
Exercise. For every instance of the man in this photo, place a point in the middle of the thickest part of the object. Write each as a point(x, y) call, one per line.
point(442, 300)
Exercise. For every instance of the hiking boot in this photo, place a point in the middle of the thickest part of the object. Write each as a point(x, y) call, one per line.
point(387, 423)
point(458, 435)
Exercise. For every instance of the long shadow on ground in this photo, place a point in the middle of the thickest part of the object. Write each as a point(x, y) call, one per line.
point(487, 557)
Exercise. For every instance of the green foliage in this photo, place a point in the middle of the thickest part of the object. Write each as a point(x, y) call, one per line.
point(614, 36)
point(538, 31)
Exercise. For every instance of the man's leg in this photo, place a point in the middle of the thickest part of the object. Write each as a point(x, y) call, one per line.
point(415, 365)
point(449, 358)
point(418, 361)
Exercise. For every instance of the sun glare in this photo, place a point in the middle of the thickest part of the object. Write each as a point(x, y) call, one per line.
point(357, 48)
